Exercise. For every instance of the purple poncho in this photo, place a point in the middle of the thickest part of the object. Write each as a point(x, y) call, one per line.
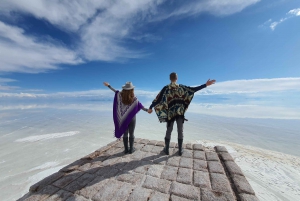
point(123, 114)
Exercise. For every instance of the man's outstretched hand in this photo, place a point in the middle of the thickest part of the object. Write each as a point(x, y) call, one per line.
point(149, 111)
point(210, 82)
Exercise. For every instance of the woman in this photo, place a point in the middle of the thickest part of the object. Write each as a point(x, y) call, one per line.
point(125, 107)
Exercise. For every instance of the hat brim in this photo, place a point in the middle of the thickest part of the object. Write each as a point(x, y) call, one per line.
point(125, 88)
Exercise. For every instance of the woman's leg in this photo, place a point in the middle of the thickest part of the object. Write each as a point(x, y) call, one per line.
point(131, 128)
point(125, 141)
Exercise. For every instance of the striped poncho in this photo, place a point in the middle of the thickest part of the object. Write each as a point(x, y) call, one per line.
point(123, 114)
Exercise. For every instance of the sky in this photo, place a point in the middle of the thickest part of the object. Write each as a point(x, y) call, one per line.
point(54, 49)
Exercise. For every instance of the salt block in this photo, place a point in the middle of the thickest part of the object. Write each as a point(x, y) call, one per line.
point(156, 184)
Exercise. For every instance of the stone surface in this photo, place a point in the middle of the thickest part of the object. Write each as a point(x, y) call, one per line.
point(149, 156)
point(198, 147)
point(242, 184)
point(199, 155)
point(147, 148)
point(226, 156)
point(215, 167)
point(123, 192)
point(247, 197)
point(93, 187)
point(173, 144)
point(133, 178)
point(152, 142)
point(61, 195)
point(79, 183)
point(186, 162)
point(144, 141)
point(74, 165)
point(233, 168)
point(68, 178)
point(184, 190)
point(160, 143)
point(209, 195)
point(138, 146)
point(221, 149)
point(107, 191)
point(212, 156)
point(201, 179)
point(200, 165)
point(157, 196)
point(189, 146)
point(162, 159)
point(143, 167)
point(43, 193)
point(155, 170)
point(173, 161)
point(219, 182)
point(184, 175)
point(50, 179)
point(187, 153)
point(177, 198)
point(169, 173)
point(140, 194)
point(157, 149)
point(107, 172)
point(77, 198)
point(137, 155)
point(156, 184)
point(147, 174)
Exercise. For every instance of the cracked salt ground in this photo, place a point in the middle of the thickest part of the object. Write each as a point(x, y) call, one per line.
point(201, 173)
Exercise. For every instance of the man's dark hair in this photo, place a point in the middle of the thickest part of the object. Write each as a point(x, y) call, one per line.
point(173, 76)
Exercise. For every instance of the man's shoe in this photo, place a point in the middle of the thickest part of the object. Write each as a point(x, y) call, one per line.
point(125, 141)
point(180, 150)
point(131, 142)
point(167, 143)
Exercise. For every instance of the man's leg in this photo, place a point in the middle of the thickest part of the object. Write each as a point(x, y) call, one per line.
point(179, 122)
point(131, 133)
point(168, 136)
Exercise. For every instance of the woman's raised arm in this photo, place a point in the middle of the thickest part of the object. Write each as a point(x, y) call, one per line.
point(107, 85)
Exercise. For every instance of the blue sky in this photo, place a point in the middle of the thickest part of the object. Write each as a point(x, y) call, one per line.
point(251, 47)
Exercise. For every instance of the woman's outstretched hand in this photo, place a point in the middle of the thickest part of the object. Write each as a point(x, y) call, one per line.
point(210, 82)
point(105, 83)
point(149, 111)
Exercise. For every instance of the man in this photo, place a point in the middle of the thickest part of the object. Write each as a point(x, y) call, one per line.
point(171, 104)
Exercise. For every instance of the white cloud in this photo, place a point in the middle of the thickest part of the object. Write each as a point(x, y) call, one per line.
point(215, 7)
point(295, 12)
point(102, 27)
point(21, 53)
point(5, 80)
point(253, 86)
point(227, 87)
point(273, 24)
point(246, 111)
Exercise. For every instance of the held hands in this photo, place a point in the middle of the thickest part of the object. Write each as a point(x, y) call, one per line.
point(106, 84)
point(210, 82)
point(149, 111)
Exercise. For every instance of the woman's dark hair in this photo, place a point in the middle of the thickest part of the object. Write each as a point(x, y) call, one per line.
point(127, 96)
point(173, 76)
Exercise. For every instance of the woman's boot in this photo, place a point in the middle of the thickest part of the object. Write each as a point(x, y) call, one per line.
point(180, 150)
point(167, 143)
point(125, 141)
point(131, 142)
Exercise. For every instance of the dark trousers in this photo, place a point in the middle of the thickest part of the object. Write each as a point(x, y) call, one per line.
point(130, 128)
point(179, 121)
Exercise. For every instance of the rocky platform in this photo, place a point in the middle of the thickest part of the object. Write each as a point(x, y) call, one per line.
point(201, 173)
